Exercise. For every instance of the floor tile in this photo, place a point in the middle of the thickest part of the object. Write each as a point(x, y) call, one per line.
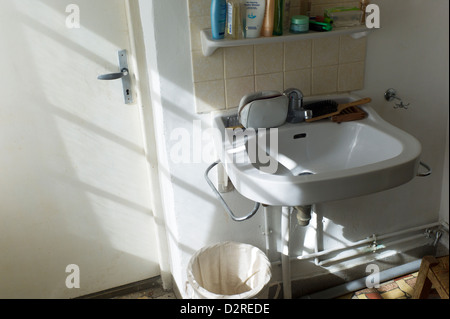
point(390, 285)
point(374, 295)
point(396, 293)
point(406, 288)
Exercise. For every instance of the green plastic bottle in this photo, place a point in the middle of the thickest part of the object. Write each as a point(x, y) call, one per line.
point(278, 17)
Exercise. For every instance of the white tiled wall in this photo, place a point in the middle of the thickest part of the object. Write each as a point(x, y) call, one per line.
point(329, 65)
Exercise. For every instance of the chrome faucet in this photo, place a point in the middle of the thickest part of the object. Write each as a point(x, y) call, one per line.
point(296, 112)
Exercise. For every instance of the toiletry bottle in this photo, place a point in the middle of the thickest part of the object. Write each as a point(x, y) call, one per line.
point(278, 17)
point(286, 16)
point(234, 21)
point(267, 28)
point(254, 16)
point(218, 18)
point(363, 5)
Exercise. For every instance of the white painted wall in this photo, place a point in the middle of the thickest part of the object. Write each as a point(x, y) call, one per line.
point(404, 54)
point(412, 57)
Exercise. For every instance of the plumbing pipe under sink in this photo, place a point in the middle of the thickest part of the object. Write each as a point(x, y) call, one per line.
point(303, 214)
point(286, 259)
point(357, 284)
point(366, 241)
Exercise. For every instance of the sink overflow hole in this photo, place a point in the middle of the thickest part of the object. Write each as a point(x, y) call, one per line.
point(301, 135)
point(305, 173)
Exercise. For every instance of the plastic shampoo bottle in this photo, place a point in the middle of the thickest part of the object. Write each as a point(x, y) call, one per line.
point(234, 19)
point(267, 27)
point(218, 18)
point(253, 19)
point(278, 17)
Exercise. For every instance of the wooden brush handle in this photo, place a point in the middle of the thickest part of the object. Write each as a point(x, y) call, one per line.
point(340, 108)
point(348, 117)
point(354, 103)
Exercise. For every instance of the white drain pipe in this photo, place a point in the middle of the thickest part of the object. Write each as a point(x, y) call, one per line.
point(266, 229)
point(358, 284)
point(369, 240)
point(374, 248)
point(285, 259)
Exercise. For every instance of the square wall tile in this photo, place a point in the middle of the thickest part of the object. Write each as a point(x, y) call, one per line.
point(325, 51)
point(297, 55)
point(236, 88)
point(206, 68)
point(272, 81)
point(239, 61)
point(209, 96)
point(324, 80)
point(352, 50)
point(269, 58)
point(299, 79)
point(351, 77)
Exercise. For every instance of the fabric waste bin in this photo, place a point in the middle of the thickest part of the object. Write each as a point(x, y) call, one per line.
point(229, 270)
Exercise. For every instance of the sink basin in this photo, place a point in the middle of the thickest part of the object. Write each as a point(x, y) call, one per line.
point(308, 163)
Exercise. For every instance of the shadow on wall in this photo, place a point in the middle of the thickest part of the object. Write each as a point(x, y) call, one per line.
point(66, 187)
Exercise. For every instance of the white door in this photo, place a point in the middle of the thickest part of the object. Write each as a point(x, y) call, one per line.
point(73, 176)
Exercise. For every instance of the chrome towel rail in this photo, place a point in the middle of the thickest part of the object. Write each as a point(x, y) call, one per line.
point(224, 204)
point(428, 173)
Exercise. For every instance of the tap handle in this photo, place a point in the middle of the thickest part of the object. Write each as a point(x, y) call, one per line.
point(289, 92)
point(294, 101)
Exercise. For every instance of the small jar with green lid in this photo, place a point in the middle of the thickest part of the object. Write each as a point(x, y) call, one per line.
point(299, 24)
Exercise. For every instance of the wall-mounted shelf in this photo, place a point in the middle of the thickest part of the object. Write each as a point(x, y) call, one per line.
point(209, 45)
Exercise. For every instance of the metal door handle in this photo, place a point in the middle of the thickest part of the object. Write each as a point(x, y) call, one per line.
point(113, 76)
point(124, 74)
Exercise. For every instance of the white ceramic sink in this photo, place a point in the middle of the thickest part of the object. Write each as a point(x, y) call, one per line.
point(318, 161)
